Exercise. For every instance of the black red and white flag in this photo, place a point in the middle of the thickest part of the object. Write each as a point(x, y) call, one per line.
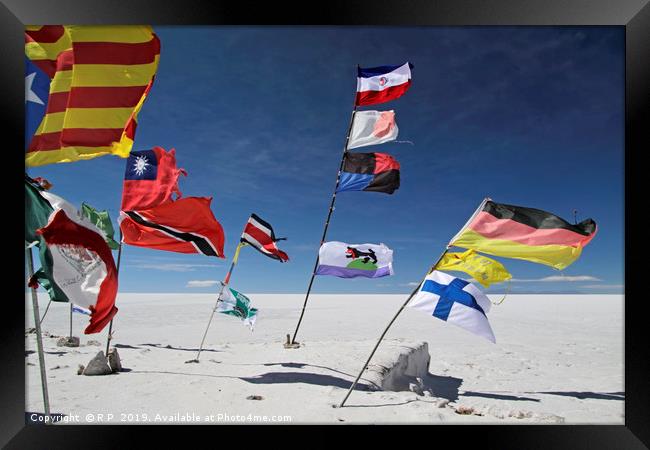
point(260, 235)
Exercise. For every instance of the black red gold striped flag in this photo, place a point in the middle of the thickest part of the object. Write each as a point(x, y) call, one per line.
point(525, 233)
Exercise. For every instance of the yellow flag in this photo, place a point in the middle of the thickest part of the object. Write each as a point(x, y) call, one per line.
point(93, 81)
point(484, 270)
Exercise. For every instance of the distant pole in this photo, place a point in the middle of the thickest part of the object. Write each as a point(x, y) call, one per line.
point(39, 336)
point(70, 321)
point(575, 216)
point(117, 274)
point(329, 215)
point(224, 283)
point(399, 311)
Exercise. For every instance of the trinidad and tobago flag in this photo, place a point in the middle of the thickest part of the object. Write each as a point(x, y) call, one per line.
point(376, 172)
point(525, 233)
point(186, 225)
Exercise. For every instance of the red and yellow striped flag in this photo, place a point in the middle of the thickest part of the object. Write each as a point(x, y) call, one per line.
point(100, 77)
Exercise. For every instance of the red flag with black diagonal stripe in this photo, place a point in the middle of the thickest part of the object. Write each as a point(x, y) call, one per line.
point(186, 225)
point(260, 235)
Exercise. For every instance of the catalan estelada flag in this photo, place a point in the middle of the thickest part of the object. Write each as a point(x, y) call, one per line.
point(84, 88)
point(525, 233)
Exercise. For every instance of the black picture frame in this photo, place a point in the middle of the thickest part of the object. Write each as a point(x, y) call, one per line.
point(633, 15)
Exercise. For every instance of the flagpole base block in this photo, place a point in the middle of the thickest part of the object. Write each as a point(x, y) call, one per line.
point(68, 341)
point(98, 366)
point(192, 361)
point(289, 344)
point(114, 360)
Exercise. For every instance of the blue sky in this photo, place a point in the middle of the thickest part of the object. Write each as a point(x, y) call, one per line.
point(258, 116)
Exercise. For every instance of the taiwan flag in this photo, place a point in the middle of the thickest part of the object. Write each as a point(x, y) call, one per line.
point(376, 172)
point(382, 84)
point(151, 178)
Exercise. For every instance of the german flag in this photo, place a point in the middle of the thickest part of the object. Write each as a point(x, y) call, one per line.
point(525, 233)
point(99, 77)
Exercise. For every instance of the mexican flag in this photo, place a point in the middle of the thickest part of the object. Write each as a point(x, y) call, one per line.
point(76, 263)
point(238, 305)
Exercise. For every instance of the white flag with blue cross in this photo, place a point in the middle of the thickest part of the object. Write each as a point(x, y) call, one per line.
point(455, 301)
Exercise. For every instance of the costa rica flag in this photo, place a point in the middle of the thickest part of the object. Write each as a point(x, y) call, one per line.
point(377, 172)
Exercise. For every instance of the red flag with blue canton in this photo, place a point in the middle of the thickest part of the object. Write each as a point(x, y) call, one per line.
point(151, 178)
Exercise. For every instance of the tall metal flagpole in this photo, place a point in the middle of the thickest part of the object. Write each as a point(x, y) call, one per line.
point(117, 270)
point(224, 283)
point(415, 291)
point(39, 336)
point(329, 213)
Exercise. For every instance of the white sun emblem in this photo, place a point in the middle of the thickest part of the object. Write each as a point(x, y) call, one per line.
point(140, 165)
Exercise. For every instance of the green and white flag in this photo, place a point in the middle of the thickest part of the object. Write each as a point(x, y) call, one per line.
point(101, 220)
point(238, 305)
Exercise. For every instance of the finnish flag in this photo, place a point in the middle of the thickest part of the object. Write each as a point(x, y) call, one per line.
point(455, 301)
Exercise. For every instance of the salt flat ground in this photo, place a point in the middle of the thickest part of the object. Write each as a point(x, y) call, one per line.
point(558, 359)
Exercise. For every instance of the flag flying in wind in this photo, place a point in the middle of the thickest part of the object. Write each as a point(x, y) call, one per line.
point(455, 301)
point(525, 233)
point(354, 260)
point(382, 84)
point(40, 206)
point(84, 87)
point(372, 128)
point(37, 214)
point(82, 267)
point(375, 172)
point(236, 304)
point(150, 178)
point(260, 235)
point(483, 269)
point(186, 225)
point(102, 220)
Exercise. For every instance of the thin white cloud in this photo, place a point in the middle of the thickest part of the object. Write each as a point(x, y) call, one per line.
point(173, 267)
point(556, 278)
point(603, 286)
point(201, 283)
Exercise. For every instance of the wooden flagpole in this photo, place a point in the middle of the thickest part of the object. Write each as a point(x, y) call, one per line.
point(329, 213)
point(415, 291)
point(117, 270)
point(224, 283)
point(39, 336)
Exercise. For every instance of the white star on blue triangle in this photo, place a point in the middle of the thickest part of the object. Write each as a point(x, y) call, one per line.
point(37, 91)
